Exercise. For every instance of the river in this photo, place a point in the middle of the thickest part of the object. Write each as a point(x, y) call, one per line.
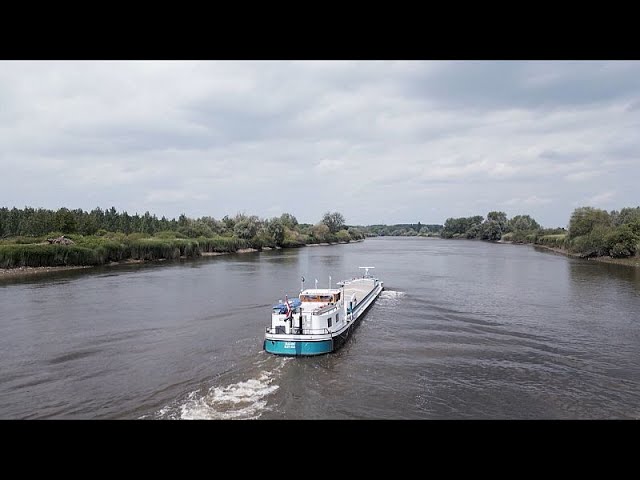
point(464, 330)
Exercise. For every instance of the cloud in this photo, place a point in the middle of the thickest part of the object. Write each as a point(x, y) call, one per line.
point(380, 141)
point(581, 176)
point(169, 196)
point(328, 166)
point(528, 201)
point(601, 199)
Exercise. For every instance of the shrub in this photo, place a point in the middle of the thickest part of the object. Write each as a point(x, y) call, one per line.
point(591, 245)
point(620, 250)
point(507, 237)
point(623, 240)
point(343, 236)
point(169, 234)
point(556, 241)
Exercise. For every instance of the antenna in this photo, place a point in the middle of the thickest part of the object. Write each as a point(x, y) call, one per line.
point(366, 271)
point(302, 286)
point(316, 283)
point(329, 282)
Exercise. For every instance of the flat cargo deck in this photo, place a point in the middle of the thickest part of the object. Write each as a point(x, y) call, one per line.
point(361, 289)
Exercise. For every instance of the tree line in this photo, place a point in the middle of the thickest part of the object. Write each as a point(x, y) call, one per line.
point(103, 236)
point(404, 230)
point(274, 231)
point(591, 231)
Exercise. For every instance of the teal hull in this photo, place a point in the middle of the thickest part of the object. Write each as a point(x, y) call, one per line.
point(300, 348)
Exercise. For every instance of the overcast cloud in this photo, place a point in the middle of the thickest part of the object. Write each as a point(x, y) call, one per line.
point(380, 142)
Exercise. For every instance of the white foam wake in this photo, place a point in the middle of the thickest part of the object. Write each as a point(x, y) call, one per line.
point(242, 400)
point(392, 294)
point(390, 297)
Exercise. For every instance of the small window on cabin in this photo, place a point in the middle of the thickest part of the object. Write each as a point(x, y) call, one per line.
point(329, 321)
point(337, 318)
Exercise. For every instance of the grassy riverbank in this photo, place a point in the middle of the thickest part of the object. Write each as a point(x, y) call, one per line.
point(109, 237)
point(629, 261)
point(31, 255)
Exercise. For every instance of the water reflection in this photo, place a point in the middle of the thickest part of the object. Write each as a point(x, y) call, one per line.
point(591, 271)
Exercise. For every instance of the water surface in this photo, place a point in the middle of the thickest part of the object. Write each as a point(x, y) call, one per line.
point(464, 330)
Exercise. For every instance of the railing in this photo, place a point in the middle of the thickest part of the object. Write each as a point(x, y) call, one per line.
point(357, 306)
point(296, 331)
point(324, 309)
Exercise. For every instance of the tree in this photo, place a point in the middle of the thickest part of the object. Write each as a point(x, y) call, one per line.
point(276, 231)
point(490, 230)
point(335, 221)
point(229, 223)
point(288, 220)
point(65, 221)
point(246, 228)
point(585, 219)
point(500, 218)
point(622, 242)
point(196, 228)
point(628, 215)
point(522, 223)
point(463, 226)
point(320, 231)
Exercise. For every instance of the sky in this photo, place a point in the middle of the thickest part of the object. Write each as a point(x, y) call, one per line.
point(381, 142)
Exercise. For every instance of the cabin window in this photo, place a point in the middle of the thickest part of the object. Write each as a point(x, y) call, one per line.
point(337, 318)
point(329, 321)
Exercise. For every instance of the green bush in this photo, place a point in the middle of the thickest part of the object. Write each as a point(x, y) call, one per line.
point(343, 236)
point(137, 236)
point(556, 241)
point(593, 244)
point(620, 250)
point(169, 234)
point(622, 241)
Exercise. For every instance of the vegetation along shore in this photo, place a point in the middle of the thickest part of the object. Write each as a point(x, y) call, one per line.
point(595, 234)
point(39, 240)
point(45, 239)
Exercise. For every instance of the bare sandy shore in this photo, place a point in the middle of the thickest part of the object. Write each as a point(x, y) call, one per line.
point(241, 250)
point(20, 271)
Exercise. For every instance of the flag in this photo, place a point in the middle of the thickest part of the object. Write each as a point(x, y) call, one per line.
point(286, 299)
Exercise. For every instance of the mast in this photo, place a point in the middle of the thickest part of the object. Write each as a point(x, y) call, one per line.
point(366, 271)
